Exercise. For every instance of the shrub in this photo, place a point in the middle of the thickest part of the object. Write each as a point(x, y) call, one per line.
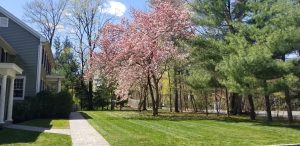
point(21, 111)
point(44, 105)
point(63, 105)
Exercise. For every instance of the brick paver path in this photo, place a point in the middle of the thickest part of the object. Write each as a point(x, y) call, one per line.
point(39, 129)
point(83, 134)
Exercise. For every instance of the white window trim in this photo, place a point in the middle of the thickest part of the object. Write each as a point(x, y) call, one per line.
point(24, 87)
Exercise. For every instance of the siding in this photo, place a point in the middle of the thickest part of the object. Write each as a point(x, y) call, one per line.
point(26, 46)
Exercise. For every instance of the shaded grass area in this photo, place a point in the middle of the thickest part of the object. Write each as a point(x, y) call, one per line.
point(139, 129)
point(13, 137)
point(48, 123)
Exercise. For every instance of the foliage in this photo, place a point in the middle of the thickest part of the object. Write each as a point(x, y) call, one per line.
point(44, 105)
point(66, 63)
point(104, 94)
point(21, 111)
point(243, 45)
point(63, 104)
point(137, 52)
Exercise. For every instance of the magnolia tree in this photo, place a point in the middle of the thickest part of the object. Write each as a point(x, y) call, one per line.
point(137, 51)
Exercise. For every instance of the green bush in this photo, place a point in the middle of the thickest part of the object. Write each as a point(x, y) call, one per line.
point(44, 105)
point(63, 105)
point(21, 111)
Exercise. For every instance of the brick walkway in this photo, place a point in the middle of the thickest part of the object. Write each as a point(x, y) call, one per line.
point(83, 134)
point(39, 129)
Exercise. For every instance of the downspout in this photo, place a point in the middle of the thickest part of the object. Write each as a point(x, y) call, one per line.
point(39, 65)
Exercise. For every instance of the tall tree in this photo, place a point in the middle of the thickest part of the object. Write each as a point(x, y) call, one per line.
point(66, 64)
point(46, 14)
point(87, 18)
point(215, 20)
point(252, 37)
point(141, 49)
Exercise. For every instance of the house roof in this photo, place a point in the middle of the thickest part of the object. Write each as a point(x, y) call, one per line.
point(22, 24)
point(7, 47)
point(43, 40)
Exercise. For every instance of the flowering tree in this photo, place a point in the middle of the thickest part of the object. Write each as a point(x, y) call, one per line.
point(137, 51)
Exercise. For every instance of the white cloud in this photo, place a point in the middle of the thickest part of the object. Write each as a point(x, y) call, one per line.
point(114, 8)
point(60, 28)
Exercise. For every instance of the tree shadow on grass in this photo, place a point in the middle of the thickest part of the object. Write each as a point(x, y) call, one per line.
point(12, 136)
point(44, 123)
point(85, 115)
point(280, 123)
point(277, 122)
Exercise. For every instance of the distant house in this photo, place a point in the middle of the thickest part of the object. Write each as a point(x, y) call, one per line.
point(26, 61)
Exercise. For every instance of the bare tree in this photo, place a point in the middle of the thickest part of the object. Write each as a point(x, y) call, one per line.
point(86, 18)
point(46, 14)
point(74, 21)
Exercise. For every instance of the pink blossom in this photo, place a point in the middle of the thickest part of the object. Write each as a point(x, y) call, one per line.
point(133, 50)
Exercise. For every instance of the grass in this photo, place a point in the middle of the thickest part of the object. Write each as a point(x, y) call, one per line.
point(140, 129)
point(48, 123)
point(11, 137)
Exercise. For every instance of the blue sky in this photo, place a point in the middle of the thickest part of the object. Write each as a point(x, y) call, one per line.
point(118, 8)
point(16, 6)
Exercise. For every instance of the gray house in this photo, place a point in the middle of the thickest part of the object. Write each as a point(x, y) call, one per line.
point(26, 61)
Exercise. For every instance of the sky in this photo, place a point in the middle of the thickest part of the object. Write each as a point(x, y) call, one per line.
point(118, 8)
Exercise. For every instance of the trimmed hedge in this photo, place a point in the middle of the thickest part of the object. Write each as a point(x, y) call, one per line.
point(44, 105)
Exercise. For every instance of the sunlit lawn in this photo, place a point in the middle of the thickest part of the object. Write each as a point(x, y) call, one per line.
point(141, 129)
point(13, 137)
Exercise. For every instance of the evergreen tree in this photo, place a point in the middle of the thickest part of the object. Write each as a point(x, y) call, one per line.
point(66, 63)
point(252, 39)
point(215, 20)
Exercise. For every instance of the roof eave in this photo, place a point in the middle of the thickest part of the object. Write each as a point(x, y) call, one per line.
point(22, 24)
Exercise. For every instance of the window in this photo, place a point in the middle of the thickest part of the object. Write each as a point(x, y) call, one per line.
point(46, 60)
point(3, 56)
point(43, 55)
point(3, 22)
point(19, 87)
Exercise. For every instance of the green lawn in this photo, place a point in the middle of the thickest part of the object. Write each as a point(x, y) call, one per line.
point(48, 123)
point(141, 129)
point(11, 137)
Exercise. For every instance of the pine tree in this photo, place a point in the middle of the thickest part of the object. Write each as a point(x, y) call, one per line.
point(243, 46)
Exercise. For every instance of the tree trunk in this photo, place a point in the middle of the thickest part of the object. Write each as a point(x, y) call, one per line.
point(176, 92)
point(288, 105)
point(145, 99)
point(268, 107)
point(141, 102)
point(252, 110)
point(227, 102)
point(236, 104)
point(216, 102)
point(90, 95)
point(206, 104)
point(288, 100)
point(186, 105)
point(170, 90)
point(180, 95)
point(113, 101)
point(193, 103)
point(154, 110)
point(157, 100)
